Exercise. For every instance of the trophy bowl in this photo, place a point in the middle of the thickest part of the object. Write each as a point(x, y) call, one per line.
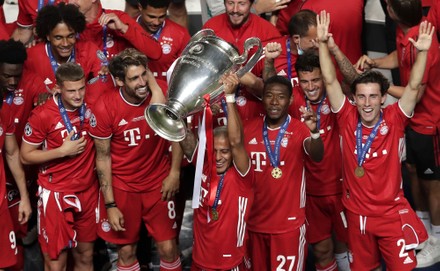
point(197, 73)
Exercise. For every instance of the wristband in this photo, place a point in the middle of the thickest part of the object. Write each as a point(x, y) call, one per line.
point(230, 98)
point(315, 135)
point(110, 205)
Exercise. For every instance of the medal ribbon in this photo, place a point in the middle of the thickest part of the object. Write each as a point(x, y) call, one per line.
point(41, 3)
point(275, 155)
point(9, 97)
point(158, 32)
point(362, 152)
point(53, 61)
point(66, 120)
point(289, 60)
point(218, 192)
point(318, 112)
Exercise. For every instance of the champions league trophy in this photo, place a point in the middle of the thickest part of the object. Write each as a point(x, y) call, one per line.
point(196, 73)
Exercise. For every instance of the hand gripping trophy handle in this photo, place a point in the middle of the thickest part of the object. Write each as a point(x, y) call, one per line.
point(197, 73)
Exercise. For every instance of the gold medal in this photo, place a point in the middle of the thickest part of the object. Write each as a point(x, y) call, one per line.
point(359, 172)
point(214, 214)
point(277, 173)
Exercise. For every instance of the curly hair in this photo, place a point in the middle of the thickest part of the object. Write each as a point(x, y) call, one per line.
point(307, 62)
point(12, 52)
point(280, 80)
point(50, 16)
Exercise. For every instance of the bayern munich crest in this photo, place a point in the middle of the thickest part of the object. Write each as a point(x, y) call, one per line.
point(241, 101)
point(105, 226)
point(325, 109)
point(384, 130)
point(284, 142)
point(18, 100)
point(166, 48)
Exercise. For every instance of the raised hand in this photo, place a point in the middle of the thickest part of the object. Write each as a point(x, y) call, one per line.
point(272, 50)
point(323, 24)
point(309, 117)
point(426, 31)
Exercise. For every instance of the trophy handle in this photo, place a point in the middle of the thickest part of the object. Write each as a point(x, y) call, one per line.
point(197, 37)
point(248, 44)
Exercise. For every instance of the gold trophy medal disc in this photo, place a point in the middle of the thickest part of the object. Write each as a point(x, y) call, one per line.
point(359, 172)
point(214, 214)
point(277, 173)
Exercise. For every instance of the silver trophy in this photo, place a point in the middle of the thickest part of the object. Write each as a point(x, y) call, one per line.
point(196, 73)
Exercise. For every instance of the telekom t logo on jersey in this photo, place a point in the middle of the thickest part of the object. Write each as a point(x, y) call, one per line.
point(258, 159)
point(133, 136)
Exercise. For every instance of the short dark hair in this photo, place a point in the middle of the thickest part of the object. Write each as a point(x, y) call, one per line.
point(50, 16)
point(12, 52)
point(221, 131)
point(307, 62)
point(69, 71)
point(132, 3)
point(129, 57)
point(154, 3)
point(371, 77)
point(300, 23)
point(280, 80)
point(408, 12)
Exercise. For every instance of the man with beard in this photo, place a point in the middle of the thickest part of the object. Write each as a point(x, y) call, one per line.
point(133, 164)
point(171, 36)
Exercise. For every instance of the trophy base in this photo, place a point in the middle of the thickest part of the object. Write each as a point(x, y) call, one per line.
point(165, 122)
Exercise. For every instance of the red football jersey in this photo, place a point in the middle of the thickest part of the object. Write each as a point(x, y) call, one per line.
point(140, 158)
point(379, 191)
point(426, 112)
point(173, 39)
point(347, 34)
point(434, 15)
point(220, 244)
point(38, 61)
point(46, 127)
point(280, 63)
point(323, 178)
point(279, 203)
point(116, 41)
point(254, 27)
point(27, 11)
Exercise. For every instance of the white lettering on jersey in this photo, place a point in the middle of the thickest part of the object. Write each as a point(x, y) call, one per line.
point(241, 225)
point(132, 136)
point(258, 159)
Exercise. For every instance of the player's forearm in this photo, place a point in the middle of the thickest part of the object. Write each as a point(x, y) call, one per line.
point(389, 61)
point(269, 69)
point(418, 70)
point(22, 34)
point(36, 156)
point(327, 68)
point(253, 83)
point(234, 126)
point(14, 164)
point(345, 66)
point(104, 172)
point(176, 159)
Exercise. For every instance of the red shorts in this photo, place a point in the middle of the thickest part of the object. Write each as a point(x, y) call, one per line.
point(241, 267)
point(286, 251)
point(157, 215)
point(369, 238)
point(325, 216)
point(8, 241)
point(66, 218)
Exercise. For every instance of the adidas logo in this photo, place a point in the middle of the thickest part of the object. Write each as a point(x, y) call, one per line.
point(428, 171)
point(59, 126)
point(47, 81)
point(253, 141)
point(282, 73)
point(408, 260)
point(175, 225)
point(122, 122)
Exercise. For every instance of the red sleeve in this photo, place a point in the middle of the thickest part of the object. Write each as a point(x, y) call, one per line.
point(433, 15)
point(101, 120)
point(34, 131)
point(8, 119)
point(24, 18)
point(137, 36)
